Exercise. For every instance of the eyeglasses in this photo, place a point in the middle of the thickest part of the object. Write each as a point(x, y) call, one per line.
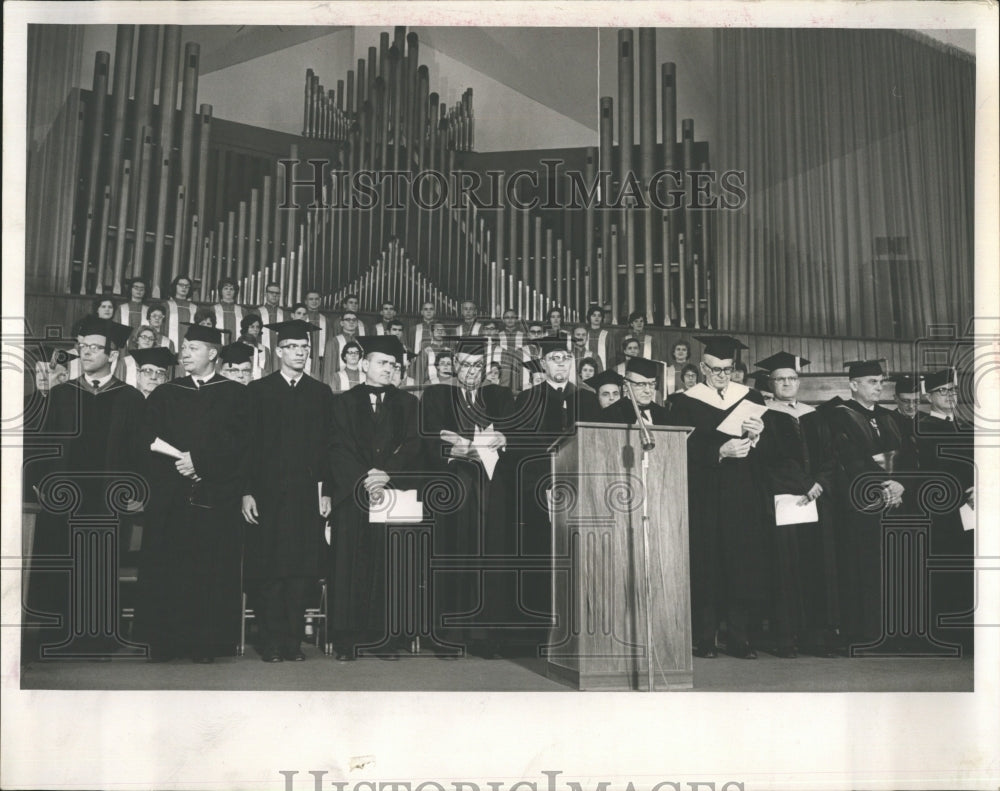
point(720, 371)
point(784, 379)
point(946, 390)
point(274, 291)
point(153, 373)
point(93, 348)
point(474, 366)
point(644, 385)
point(296, 347)
point(559, 357)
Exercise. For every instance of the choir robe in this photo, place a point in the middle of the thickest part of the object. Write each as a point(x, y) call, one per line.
point(599, 346)
point(318, 357)
point(270, 315)
point(542, 416)
point(946, 451)
point(797, 454)
point(290, 457)
point(357, 559)
point(345, 379)
point(333, 359)
point(727, 506)
point(179, 312)
point(621, 411)
point(189, 572)
point(858, 435)
point(482, 524)
point(419, 335)
point(228, 316)
point(77, 425)
point(132, 313)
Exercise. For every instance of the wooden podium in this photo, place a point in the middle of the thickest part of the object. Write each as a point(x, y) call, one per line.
point(599, 638)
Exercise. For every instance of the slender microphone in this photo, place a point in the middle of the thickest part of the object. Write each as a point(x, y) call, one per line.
point(647, 437)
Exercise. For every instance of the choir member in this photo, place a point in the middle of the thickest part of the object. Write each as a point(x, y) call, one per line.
point(554, 328)
point(142, 337)
point(798, 457)
point(236, 363)
point(349, 374)
point(352, 304)
point(638, 388)
point(228, 315)
point(287, 491)
point(945, 447)
point(739, 373)
point(598, 336)
point(205, 317)
point(189, 574)
point(388, 316)
point(444, 368)
point(637, 331)
point(133, 312)
point(271, 312)
point(726, 501)
point(586, 369)
point(156, 316)
point(422, 333)
point(512, 334)
point(375, 441)
point(866, 442)
point(470, 319)
point(317, 353)
point(180, 309)
point(680, 359)
point(482, 524)
point(349, 333)
point(251, 328)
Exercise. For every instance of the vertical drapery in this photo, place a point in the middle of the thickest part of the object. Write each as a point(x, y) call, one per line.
point(845, 137)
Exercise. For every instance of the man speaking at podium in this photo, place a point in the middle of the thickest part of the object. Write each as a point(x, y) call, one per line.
point(726, 500)
point(641, 376)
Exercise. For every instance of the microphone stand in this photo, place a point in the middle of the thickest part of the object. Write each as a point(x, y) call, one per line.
point(647, 445)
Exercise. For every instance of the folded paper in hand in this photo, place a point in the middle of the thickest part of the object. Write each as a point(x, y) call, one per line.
point(733, 424)
point(481, 443)
point(397, 506)
point(787, 510)
point(968, 514)
point(159, 446)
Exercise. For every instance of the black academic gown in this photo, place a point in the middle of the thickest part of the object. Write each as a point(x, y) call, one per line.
point(87, 474)
point(541, 415)
point(189, 574)
point(622, 411)
point(481, 525)
point(357, 560)
point(858, 435)
point(945, 452)
point(797, 454)
point(290, 457)
point(727, 506)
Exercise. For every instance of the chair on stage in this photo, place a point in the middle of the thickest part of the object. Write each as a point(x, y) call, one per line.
point(315, 621)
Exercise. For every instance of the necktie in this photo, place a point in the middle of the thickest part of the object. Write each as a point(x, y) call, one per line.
point(292, 383)
point(95, 385)
point(470, 398)
point(722, 392)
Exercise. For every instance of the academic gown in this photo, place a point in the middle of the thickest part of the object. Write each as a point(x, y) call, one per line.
point(945, 452)
point(76, 427)
point(797, 454)
point(621, 411)
point(482, 524)
point(357, 559)
point(289, 458)
point(541, 416)
point(858, 435)
point(727, 502)
point(189, 574)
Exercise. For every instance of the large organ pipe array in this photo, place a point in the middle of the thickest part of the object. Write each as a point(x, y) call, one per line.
point(143, 179)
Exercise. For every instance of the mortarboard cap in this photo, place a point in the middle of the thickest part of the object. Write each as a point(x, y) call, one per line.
point(294, 330)
point(609, 377)
point(643, 366)
point(57, 354)
point(199, 332)
point(725, 347)
point(548, 345)
point(116, 333)
point(382, 344)
point(782, 360)
point(533, 365)
point(859, 368)
point(236, 353)
point(160, 356)
point(906, 383)
point(942, 378)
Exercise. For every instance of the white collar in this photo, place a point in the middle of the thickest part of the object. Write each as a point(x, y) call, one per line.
point(291, 381)
point(732, 395)
point(555, 386)
point(795, 408)
point(100, 382)
point(942, 415)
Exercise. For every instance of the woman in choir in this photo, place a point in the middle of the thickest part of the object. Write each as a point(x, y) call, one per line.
point(493, 374)
point(104, 307)
point(689, 378)
point(228, 314)
point(144, 337)
point(299, 311)
point(555, 325)
point(586, 369)
point(156, 315)
point(680, 356)
point(630, 348)
point(349, 374)
point(250, 334)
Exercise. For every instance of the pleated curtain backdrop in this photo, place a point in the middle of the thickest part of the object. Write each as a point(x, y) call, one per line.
point(846, 137)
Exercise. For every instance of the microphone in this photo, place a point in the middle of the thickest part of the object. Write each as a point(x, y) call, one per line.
point(647, 437)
